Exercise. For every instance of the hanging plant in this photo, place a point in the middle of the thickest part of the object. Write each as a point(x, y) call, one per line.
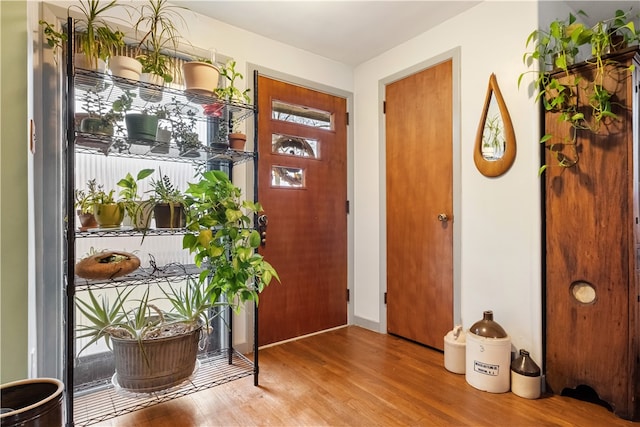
point(555, 50)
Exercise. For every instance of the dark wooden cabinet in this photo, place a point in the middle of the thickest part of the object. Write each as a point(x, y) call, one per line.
point(592, 253)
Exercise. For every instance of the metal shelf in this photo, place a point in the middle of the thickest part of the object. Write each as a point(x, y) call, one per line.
point(128, 232)
point(92, 402)
point(114, 146)
point(113, 87)
point(171, 273)
point(101, 401)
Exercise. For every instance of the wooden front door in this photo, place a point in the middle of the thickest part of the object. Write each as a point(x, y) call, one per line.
point(302, 182)
point(419, 138)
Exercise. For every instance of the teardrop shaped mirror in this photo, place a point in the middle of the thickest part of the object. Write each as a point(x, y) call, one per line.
point(495, 147)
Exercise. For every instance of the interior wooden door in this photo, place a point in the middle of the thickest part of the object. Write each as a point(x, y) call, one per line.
point(302, 181)
point(419, 138)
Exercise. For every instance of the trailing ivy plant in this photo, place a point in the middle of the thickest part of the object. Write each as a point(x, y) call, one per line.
point(219, 232)
point(554, 51)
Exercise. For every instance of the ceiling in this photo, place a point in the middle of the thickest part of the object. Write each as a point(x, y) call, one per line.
point(349, 32)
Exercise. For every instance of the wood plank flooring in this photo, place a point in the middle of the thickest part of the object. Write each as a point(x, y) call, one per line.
point(355, 377)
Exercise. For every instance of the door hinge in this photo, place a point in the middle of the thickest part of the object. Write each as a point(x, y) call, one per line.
point(384, 107)
point(385, 297)
point(347, 114)
point(347, 207)
point(348, 295)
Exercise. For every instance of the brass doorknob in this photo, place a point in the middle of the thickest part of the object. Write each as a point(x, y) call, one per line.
point(443, 217)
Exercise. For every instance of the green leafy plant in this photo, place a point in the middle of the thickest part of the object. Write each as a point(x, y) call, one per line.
point(220, 235)
point(141, 319)
point(97, 39)
point(164, 191)
point(95, 106)
point(94, 195)
point(129, 192)
point(160, 35)
point(129, 184)
point(183, 125)
point(84, 199)
point(555, 48)
point(102, 315)
point(230, 92)
point(55, 39)
point(191, 304)
point(123, 103)
point(104, 198)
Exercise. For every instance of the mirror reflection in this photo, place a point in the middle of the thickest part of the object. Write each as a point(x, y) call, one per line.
point(493, 143)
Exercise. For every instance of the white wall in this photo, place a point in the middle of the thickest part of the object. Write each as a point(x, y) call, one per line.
point(499, 217)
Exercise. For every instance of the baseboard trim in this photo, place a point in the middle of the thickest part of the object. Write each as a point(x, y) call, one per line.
point(368, 324)
point(301, 337)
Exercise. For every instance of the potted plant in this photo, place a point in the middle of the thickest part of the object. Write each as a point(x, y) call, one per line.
point(168, 203)
point(96, 122)
point(125, 68)
point(137, 210)
point(232, 94)
point(183, 126)
point(219, 233)
point(84, 205)
point(142, 126)
point(108, 212)
point(154, 348)
point(157, 18)
point(200, 79)
point(96, 38)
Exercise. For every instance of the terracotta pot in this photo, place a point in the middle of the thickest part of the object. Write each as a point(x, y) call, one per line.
point(127, 68)
point(87, 220)
point(237, 140)
point(200, 78)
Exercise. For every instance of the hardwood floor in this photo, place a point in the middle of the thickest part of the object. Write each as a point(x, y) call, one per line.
point(355, 377)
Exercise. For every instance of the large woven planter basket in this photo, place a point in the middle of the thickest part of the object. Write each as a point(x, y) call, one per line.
point(169, 361)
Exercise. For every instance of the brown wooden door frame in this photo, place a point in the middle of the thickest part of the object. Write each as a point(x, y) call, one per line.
point(252, 69)
point(454, 56)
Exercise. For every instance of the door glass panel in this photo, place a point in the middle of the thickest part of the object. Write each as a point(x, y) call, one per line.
point(294, 145)
point(287, 177)
point(301, 115)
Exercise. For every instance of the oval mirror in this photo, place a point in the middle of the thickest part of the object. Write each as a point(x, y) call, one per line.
point(495, 146)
